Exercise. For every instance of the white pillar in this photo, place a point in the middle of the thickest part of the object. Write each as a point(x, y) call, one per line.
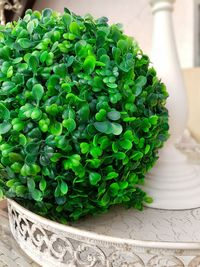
point(173, 182)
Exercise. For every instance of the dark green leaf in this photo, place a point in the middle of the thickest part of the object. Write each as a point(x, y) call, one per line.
point(4, 112)
point(33, 63)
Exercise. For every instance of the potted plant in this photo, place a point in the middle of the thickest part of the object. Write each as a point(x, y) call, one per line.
point(82, 117)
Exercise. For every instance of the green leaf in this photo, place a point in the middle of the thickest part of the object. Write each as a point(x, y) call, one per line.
point(94, 163)
point(104, 142)
point(122, 45)
point(89, 64)
point(148, 199)
point(126, 144)
point(63, 187)
point(75, 160)
point(30, 158)
point(1, 194)
point(30, 27)
point(105, 200)
point(69, 124)
point(114, 115)
point(53, 81)
point(38, 92)
point(119, 155)
point(67, 19)
point(33, 63)
point(85, 147)
point(74, 28)
point(139, 83)
point(114, 188)
point(96, 151)
point(5, 127)
point(44, 56)
point(10, 72)
point(47, 12)
point(31, 184)
point(123, 185)
point(94, 178)
point(103, 126)
point(111, 175)
point(37, 195)
point(153, 119)
point(137, 155)
point(20, 190)
point(147, 148)
point(100, 116)
point(32, 148)
point(116, 128)
point(56, 128)
point(24, 42)
point(4, 112)
point(43, 184)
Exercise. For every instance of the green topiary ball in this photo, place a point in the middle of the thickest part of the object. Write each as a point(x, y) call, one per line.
point(82, 115)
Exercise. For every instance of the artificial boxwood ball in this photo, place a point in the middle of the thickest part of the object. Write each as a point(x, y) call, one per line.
point(82, 115)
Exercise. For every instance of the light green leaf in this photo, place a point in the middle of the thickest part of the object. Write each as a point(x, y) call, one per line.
point(114, 188)
point(24, 42)
point(74, 28)
point(94, 178)
point(5, 127)
point(103, 126)
point(69, 124)
point(42, 184)
point(1, 194)
point(67, 19)
point(116, 128)
point(63, 187)
point(114, 115)
point(56, 128)
point(37, 195)
point(137, 155)
point(89, 64)
point(85, 147)
point(126, 144)
point(30, 27)
point(111, 175)
point(38, 92)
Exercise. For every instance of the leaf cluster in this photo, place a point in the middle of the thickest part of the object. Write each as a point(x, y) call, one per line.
point(82, 115)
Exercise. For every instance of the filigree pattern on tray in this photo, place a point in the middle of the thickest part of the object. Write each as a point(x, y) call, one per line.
point(52, 246)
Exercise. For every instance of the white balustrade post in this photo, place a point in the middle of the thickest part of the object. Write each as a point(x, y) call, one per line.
point(173, 182)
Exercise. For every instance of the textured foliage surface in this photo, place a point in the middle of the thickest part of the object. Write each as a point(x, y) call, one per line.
point(82, 115)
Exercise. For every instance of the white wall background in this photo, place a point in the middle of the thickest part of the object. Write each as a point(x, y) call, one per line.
point(136, 17)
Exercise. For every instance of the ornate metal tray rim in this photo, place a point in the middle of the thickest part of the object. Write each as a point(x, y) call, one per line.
point(82, 234)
